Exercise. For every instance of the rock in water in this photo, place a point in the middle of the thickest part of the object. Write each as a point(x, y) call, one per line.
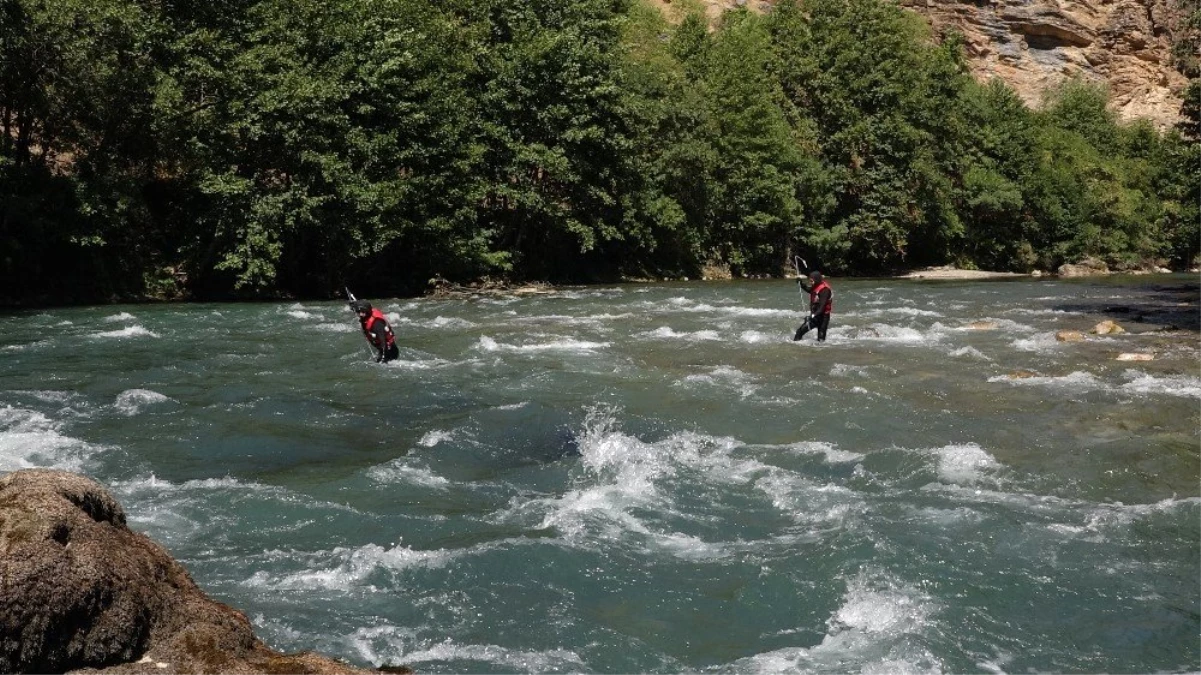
point(83, 591)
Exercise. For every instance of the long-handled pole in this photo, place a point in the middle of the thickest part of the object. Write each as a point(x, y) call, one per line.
point(353, 300)
point(798, 262)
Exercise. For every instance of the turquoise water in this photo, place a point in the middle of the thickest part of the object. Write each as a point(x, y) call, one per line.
point(655, 478)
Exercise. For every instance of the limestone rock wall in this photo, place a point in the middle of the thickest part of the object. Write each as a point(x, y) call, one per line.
point(1033, 45)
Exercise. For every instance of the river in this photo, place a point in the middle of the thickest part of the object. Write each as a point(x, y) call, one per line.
point(656, 478)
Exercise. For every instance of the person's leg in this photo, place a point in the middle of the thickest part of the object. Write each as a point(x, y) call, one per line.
point(823, 324)
point(800, 332)
point(391, 353)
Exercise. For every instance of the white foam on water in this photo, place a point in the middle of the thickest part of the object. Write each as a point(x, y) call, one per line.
point(1077, 381)
point(192, 509)
point(1026, 311)
point(622, 475)
point(579, 294)
point(48, 395)
point(133, 401)
point(155, 503)
point(555, 660)
point(487, 344)
point(151, 485)
point(30, 440)
point(387, 645)
point(688, 305)
point(382, 644)
point(877, 606)
point(1039, 342)
point(1188, 386)
point(754, 337)
point(949, 517)
point(891, 313)
point(548, 318)
point(512, 406)
point(758, 311)
point(1068, 517)
point(127, 332)
point(419, 364)
point(348, 326)
point(1095, 521)
point(123, 316)
point(680, 301)
point(444, 322)
point(432, 438)
point(821, 506)
point(883, 332)
point(343, 569)
point(667, 333)
point(844, 370)
point(828, 450)
point(965, 464)
point(401, 471)
point(726, 377)
point(969, 352)
point(300, 314)
point(998, 665)
point(691, 548)
point(1002, 326)
point(871, 632)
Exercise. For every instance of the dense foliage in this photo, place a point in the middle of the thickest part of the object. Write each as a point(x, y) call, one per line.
point(287, 147)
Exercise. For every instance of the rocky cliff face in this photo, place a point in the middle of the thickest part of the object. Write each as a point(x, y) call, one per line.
point(80, 591)
point(1033, 45)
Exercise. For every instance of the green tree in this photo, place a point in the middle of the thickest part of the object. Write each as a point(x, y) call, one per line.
point(324, 138)
point(883, 100)
point(671, 155)
point(76, 81)
point(753, 205)
point(999, 226)
point(555, 146)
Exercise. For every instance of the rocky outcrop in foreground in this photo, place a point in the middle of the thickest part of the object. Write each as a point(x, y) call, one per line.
point(80, 590)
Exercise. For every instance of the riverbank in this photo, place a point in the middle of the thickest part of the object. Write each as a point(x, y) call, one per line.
point(952, 273)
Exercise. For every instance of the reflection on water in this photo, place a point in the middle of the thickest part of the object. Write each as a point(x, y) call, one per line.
point(657, 478)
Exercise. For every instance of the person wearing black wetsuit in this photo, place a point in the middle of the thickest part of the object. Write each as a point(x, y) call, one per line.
point(377, 331)
point(821, 303)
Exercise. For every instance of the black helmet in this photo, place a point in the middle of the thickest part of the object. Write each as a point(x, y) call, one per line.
point(815, 275)
point(361, 306)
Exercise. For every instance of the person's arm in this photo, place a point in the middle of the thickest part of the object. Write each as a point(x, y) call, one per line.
point(823, 299)
point(379, 340)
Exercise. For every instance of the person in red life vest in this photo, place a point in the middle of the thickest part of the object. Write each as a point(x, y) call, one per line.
point(375, 327)
point(821, 303)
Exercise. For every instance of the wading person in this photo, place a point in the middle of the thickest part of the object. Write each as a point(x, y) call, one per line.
point(821, 303)
point(377, 331)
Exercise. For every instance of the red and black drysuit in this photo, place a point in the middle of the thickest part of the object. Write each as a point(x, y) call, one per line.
point(379, 334)
point(821, 303)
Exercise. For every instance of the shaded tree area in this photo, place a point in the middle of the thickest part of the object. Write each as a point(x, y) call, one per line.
point(270, 148)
